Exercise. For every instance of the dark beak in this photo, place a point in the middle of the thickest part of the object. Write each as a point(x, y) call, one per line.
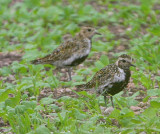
point(133, 65)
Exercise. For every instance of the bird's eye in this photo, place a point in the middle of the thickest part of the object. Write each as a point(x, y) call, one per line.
point(124, 61)
point(89, 30)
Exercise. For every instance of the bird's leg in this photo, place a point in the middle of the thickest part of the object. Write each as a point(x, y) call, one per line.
point(56, 72)
point(69, 73)
point(112, 101)
point(105, 100)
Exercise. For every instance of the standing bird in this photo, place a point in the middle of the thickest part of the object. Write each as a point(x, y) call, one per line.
point(111, 79)
point(72, 51)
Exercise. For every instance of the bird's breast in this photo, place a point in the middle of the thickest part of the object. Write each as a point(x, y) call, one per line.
point(79, 55)
point(119, 76)
point(86, 46)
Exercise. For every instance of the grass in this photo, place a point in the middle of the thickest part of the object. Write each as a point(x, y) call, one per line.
point(34, 29)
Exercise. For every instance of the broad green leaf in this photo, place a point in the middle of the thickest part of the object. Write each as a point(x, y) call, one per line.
point(99, 65)
point(155, 104)
point(4, 95)
point(42, 130)
point(47, 100)
point(104, 59)
point(153, 92)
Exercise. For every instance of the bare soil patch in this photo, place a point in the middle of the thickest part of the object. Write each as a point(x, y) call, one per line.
point(7, 58)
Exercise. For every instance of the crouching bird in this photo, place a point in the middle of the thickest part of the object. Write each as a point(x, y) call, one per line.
point(111, 79)
point(72, 51)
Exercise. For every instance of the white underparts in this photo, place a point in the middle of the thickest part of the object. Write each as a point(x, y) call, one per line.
point(118, 77)
point(81, 53)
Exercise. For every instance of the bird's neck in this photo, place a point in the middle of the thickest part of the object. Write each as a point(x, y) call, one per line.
point(81, 37)
point(125, 70)
point(128, 73)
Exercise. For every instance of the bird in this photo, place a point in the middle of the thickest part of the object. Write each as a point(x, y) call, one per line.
point(72, 52)
point(111, 79)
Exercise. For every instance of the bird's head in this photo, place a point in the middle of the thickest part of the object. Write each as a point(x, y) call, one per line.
point(88, 32)
point(124, 62)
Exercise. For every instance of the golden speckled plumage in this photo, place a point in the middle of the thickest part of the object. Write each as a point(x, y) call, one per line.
point(111, 79)
point(72, 51)
point(101, 76)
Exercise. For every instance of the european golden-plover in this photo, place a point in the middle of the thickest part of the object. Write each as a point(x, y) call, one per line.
point(72, 51)
point(111, 79)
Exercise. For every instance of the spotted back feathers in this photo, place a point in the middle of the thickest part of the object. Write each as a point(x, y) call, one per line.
point(71, 50)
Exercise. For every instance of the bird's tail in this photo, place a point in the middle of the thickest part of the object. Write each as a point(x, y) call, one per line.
point(82, 86)
point(37, 61)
